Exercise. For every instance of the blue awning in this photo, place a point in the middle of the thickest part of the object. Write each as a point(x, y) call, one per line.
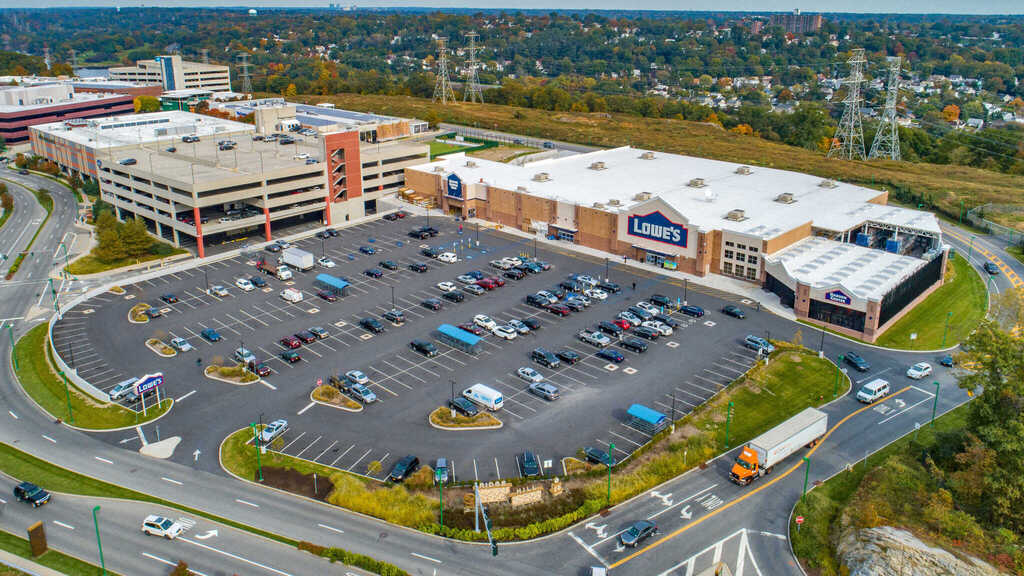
point(333, 282)
point(645, 414)
point(649, 251)
point(459, 334)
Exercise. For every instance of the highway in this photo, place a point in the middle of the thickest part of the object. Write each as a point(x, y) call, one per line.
point(703, 517)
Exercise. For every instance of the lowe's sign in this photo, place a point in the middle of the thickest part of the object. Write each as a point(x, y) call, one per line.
point(148, 382)
point(454, 186)
point(655, 226)
point(839, 297)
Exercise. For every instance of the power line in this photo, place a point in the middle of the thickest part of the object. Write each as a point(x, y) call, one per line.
point(848, 142)
point(887, 139)
point(443, 86)
point(473, 91)
point(244, 68)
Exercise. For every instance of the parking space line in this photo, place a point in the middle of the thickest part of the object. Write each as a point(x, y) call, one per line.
point(617, 435)
point(496, 469)
point(308, 446)
point(342, 455)
point(325, 450)
point(359, 460)
point(712, 382)
point(293, 442)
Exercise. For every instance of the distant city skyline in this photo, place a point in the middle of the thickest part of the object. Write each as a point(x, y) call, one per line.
point(988, 7)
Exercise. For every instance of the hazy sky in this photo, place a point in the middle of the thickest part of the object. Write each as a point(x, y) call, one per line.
point(884, 6)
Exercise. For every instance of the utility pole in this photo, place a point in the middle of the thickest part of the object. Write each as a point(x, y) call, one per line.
point(67, 397)
point(848, 142)
point(99, 544)
point(473, 92)
point(443, 85)
point(887, 139)
point(256, 437)
point(611, 460)
point(728, 420)
point(807, 475)
point(14, 350)
point(835, 390)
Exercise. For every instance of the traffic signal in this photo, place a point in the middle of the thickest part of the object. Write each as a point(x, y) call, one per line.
point(494, 547)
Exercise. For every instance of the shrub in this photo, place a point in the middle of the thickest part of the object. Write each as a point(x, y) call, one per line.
point(353, 559)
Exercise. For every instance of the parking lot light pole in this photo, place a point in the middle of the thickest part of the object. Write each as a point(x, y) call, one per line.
point(14, 351)
point(99, 544)
point(970, 249)
point(206, 278)
point(673, 412)
point(728, 420)
point(440, 496)
point(835, 390)
point(949, 315)
point(935, 404)
point(256, 437)
point(611, 448)
point(453, 399)
point(807, 475)
point(393, 298)
point(67, 396)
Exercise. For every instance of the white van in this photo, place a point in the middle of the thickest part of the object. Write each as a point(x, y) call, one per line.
point(485, 396)
point(873, 390)
point(291, 295)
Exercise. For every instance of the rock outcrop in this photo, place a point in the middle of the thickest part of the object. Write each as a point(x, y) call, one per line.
point(888, 551)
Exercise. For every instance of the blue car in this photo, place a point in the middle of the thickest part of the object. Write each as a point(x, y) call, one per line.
point(210, 335)
point(612, 355)
point(367, 249)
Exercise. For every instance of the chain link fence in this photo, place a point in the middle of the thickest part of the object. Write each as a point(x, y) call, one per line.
point(977, 217)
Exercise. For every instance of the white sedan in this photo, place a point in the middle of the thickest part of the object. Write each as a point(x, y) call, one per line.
point(181, 344)
point(326, 262)
point(218, 290)
point(648, 306)
point(484, 322)
point(661, 327)
point(448, 257)
point(529, 374)
point(447, 287)
point(506, 332)
point(356, 377)
point(466, 279)
point(159, 526)
point(595, 294)
point(919, 370)
point(244, 284)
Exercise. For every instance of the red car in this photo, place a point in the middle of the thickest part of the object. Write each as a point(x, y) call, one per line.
point(624, 324)
point(472, 328)
point(487, 283)
point(400, 213)
point(559, 309)
point(306, 336)
point(291, 342)
point(262, 369)
point(497, 281)
point(327, 295)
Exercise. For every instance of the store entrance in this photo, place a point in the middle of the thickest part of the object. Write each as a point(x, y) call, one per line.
point(656, 259)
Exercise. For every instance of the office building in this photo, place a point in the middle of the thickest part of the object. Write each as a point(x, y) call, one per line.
point(25, 106)
point(797, 22)
point(173, 73)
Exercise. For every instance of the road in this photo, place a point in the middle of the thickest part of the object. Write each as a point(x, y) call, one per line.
point(703, 516)
point(512, 138)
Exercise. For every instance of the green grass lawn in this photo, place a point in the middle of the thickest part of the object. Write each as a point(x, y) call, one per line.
point(814, 543)
point(1017, 252)
point(51, 558)
point(441, 148)
point(90, 264)
point(7, 213)
point(47, 388)
point(964, 295)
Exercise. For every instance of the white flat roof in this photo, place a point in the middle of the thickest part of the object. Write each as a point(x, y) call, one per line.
point(864, 272)
point(134, 129)
point(76, 98)
point(626, 173)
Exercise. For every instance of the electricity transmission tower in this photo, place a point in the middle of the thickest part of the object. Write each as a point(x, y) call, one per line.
point(473, 92)
point(848, 143)
point(887, 139)
point(443, 86)
point(205, 52)
point(244, 67)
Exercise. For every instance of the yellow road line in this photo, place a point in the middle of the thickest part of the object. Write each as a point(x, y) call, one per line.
point(732, 503)
point(1012, 276)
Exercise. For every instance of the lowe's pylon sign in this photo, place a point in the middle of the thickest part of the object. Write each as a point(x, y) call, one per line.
point(656, 226)
point(454, 186)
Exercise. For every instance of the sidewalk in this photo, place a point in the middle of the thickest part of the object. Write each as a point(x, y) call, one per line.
point(26, 565)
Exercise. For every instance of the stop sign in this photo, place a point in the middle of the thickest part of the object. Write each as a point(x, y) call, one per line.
point(799, 520)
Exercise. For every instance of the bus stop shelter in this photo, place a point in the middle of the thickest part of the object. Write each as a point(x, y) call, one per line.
point(646, 420)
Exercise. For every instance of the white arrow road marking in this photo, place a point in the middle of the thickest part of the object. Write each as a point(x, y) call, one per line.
point(63, 525)
point(195, 455)
point(207, 535)
point(599, 529)
point(666, 499)
point(683, 501)
point(50, 439)
point(308, 406)
point(247, 503)
point(331, 528)
point(230, 555)
point(435, 560)
point(685, 513)
point(588, 549)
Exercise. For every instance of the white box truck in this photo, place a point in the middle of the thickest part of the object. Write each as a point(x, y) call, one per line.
point(761, 454)
point(298, 259)
point(485, 396)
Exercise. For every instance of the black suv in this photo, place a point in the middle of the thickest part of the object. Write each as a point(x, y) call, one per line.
point(662, 301)
point(598, 456)
point(645, 332)
point(423, 232)
point(453, 296)
point(609, 287)
point(394, 316)
point(29, 492)
point(855, 360)
point(372, 324)
point(403, 468)
point(431, 304)
point(531, 467)
point(568, 356)
point(609, 328)
point(544, 358)
point(514, 274)
point(423, 347)
point(733, 311)
point(463, 406)
point(418, 267)
point(431, 252)
point(536, 300)
point(635, 344)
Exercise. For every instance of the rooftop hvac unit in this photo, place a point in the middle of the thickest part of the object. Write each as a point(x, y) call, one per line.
point(614, 202)
point(438, 169)
point(710, 195)
point(736, 215)
point(470, 164)
point(597, 166)
point(696, 183)
point(647, 155)
point(785, 198)
point(541, 177)
point(520, 188)
point(826, 183)
point(744, 170)
point(599, 205)
point(642, 196)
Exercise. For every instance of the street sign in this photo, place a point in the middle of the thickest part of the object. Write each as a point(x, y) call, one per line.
point(149, 382)
point(799, 520)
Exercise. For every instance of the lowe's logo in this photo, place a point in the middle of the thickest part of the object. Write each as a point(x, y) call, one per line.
point(655, 226)
point(838, 296)
point(150, 381)
point(454, 186)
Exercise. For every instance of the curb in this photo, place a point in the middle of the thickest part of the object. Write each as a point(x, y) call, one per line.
point(497, 426)
point(342, 408)
point(158, 352)
point(226, 381)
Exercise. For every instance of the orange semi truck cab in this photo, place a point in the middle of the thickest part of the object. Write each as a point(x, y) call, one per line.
point(761, 455)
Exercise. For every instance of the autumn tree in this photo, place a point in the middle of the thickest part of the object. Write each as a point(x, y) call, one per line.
point(146, 103)
point(951, 113)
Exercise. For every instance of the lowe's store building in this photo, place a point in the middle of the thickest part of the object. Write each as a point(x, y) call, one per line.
point(836, 253)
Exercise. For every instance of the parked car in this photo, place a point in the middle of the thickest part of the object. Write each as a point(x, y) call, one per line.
point(947, 360)
point(568, 356)
point(545, 390)
point(628, 316)
point(529, 374)
point(595, 293)
point(662, 301)
point(611, 354)
point(637, 533)
point(394, 316)
point(734, 311)
point(453, 296)
point(169, 298)
point(320, 332)
point(505, 332)
point(448, 257)
point(919, 370)
point(544, 358)
point(610, 287)
point(326, 262)
point(662, 328)
point(152, 313)
point(464, 406)
point(154, 525)
point(530, 465)
point(622, 323)
point(368, 250)
point(646, 332)
point(423, 347)
point(374, 272)
point(273, 248)
point(431, 304)
point(447, 286)
point(472, 328)
point(514, 274)
point(180, 344)
point(218, 290)
point(388, 265)
point(403, 468)
point(532, 323)
point(371, 324)
point(327, 295)
point(519, 326)
point(598, 456)
point(641, 313)
point(486, 284)
point(609, 328)
point(210, 335)
point(290, 356)
point(484, 321)
point(261, 369)
point(32, 494)
point(273, 430)
point(558, 309)
point(465, 279)
point(122, 388)
point(418, 267)
point(291, 342)
point(873, 390)
point(473, 289)
point(758, 344)
point(695, 311)
point(258, 282)
point(306, 336)
point(855, 360)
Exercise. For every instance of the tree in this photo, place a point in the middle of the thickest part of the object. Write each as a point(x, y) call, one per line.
point(147, 104)
point(109, 247)
point(996, 416)
point(951, 113)
point(135, 237)
point(291, 91)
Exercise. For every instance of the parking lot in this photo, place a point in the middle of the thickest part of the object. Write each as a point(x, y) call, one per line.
point(677, 372)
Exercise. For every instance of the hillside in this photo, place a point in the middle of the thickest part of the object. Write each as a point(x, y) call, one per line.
point(941, 187)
